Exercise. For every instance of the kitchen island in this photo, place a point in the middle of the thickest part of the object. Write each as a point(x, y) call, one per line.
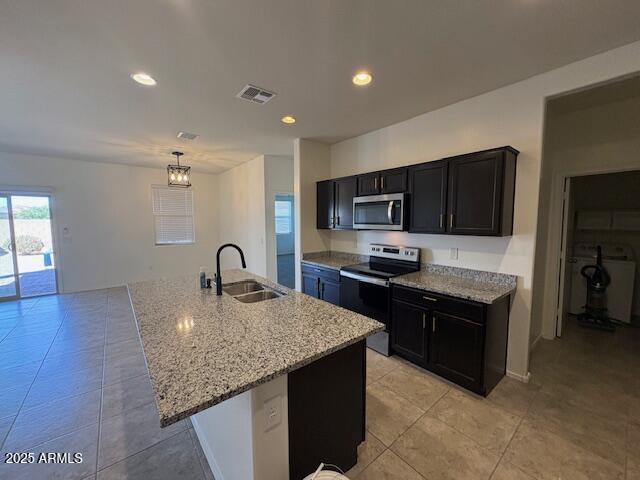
point(272, 387)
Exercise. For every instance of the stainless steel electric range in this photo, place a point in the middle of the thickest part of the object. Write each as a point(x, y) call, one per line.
point(364, 287)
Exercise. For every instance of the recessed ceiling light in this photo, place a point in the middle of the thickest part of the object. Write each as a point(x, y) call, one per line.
point(362, 78)
point(289, 119)
point(144, 79)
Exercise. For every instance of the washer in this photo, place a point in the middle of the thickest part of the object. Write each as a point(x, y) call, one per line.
point(619, 262)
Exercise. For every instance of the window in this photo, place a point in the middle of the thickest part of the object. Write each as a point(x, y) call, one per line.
point(173, 214)
point(283, 217)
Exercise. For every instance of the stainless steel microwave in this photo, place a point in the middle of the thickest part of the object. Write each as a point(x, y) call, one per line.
point(380, 212)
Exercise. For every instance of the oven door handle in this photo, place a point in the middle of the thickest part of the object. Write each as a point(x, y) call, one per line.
point(364, 278)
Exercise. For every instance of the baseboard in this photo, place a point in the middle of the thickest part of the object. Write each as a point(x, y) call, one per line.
point(208, 453)
point(517, 376)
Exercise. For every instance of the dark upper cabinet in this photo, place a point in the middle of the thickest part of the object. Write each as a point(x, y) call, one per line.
point(409, 329)
point(325, 217)
point(428, 199)
point(345, 190)
point(470, 194)
point(330, 291)
point(368, 184)
point(393, 181)
point(457, 349)
point(481, 193)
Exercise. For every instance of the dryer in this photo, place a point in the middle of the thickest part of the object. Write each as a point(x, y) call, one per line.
point(620, 263)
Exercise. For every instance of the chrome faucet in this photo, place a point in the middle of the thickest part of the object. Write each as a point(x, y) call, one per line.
point(218, 276)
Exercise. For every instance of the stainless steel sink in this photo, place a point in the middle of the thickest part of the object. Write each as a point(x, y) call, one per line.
point(260, 296)
point(242, 287)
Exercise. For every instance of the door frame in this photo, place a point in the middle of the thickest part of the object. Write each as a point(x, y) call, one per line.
point(9, 190)
point(562, 276)
point(556, 237)
point(14, 254)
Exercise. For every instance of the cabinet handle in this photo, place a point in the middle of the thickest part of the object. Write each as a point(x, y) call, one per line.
point(322, 296)
point(338, 217)
point(441, 220)
point(433, 325)
point(451, 216)
point(317, 270)
point(318, 286)
point(431, 299)
point(375, 183)
point(382, 183)
point(424, 320)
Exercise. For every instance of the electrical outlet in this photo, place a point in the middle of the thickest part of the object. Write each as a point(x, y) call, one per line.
point(453, 253)
point(272, 412)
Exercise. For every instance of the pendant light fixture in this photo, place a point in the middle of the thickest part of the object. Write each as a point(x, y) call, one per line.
point(178, 175)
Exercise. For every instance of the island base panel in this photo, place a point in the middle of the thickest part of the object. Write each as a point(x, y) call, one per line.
point(327, 411)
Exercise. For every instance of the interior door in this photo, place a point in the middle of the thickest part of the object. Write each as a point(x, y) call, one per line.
point(566, 256)
point(9, 286)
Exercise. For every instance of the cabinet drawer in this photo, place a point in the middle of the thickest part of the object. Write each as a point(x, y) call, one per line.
point(442, 303)
point(328, 273)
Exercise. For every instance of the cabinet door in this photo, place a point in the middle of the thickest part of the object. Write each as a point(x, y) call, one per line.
point(428, 188)
point(409, 327)
point(324, 204)
point(345, 190)
point(456, 349)
point(330, 292)
point(311, 285)
point(475, 193)
point(393, 181)
point(369, 184)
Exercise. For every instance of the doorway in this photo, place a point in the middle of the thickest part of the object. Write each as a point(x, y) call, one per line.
point(27, 260)
point(601, 211)
point(285, 233)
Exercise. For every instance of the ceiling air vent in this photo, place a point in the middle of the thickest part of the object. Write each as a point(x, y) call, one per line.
point(255, 94)
point(187, 135)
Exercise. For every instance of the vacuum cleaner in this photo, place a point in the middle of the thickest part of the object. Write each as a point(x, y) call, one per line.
point(595, 310)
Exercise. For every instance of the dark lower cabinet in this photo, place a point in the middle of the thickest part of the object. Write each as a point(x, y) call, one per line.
point(457, 349)
point(330, 292)
point(409, 331)
point(322, 283)
point(460, 340)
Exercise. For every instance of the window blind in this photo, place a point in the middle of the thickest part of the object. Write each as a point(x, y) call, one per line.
point(173, 214)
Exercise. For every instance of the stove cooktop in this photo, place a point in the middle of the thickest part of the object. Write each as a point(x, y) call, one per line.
point(385, 270)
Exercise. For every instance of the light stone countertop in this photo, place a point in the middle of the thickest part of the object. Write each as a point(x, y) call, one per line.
point(202, 349)
point(332, 259)
point(476, 285)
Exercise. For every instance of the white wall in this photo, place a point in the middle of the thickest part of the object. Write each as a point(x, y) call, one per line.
point(311, 162)
point(512, 115)
point(599, 139)
point(278, 172)
point(107, 209)
point(246, 198)
point(241, 200)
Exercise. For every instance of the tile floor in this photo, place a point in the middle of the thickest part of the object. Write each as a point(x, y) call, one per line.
point(578, 418)
point(73, 379)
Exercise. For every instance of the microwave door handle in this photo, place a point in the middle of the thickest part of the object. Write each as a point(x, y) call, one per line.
point(390, 212)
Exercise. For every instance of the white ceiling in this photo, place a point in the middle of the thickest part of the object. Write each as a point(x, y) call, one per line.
point(65, 86)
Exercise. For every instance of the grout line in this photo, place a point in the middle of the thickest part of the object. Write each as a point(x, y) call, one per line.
point(32, 382)
point(104, 367)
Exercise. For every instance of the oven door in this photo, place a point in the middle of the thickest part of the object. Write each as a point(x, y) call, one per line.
point(379, 212)
point(366, 295)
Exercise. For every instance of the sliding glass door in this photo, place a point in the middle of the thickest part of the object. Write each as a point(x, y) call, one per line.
point(27, 261)
point(8, 261)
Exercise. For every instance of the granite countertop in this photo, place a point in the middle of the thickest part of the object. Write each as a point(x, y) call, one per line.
point(476, 285)
point(202, 349)
point(332, 259)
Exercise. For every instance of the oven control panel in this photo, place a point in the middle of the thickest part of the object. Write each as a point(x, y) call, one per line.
point(396, 252)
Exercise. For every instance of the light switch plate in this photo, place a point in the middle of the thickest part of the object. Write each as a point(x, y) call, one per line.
point(453, 253)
